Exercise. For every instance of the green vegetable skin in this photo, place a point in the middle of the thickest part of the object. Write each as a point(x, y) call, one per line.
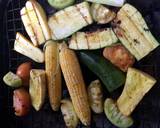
point(60, 4)
point(111, 76)
point(12, 80)
point(115, 116)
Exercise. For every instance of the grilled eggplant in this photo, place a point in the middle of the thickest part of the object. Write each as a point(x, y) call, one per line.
point(93, 40)
point(116, 3)
point(137, 85)
point(25, 47)
point(102, 14)
point(133, 32)
point(65, 22)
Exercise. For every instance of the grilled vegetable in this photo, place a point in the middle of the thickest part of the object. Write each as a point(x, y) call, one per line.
point(93, 40)
point(66, 22)
point(116, 3)
point(21, 102)
point(37, 89)
point(137, 85)
point(12, 80)
point(35, 22)
point(69, 114)
point(102, 14)
point(53, 74)
point(119, 56)
point(111, 77)
point(75, 83)
point(115, 116)
point(23, 71)
point(28, 26)
point(95, 95)
point(60, 4)
point(25, 47)
point(133, 32)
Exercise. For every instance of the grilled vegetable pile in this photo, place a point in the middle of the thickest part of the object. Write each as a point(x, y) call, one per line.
point(109, 53)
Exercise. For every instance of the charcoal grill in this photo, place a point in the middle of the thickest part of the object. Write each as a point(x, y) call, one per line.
point(146, 115)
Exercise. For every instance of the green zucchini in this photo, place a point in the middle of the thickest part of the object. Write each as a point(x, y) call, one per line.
point(60, 4)
point(115, 116)
point(12, 80)
point(111, 76)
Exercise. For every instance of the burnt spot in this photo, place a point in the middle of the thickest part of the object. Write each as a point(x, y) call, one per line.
point(136, 41)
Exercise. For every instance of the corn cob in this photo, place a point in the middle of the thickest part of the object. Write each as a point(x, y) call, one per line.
point(133, 32)
point(25, 47)
point(66, 22)
point(93, 40)
point(75, 83)
point(53, 73)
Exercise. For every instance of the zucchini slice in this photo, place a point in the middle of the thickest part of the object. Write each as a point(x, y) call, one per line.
point(111, 76)
point(60, 4)
point(12, 80)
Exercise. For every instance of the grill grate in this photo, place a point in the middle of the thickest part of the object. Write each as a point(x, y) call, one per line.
point(46, 118)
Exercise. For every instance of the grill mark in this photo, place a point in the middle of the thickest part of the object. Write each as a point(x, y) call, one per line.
point(84, 17)
point(87, 40)
point(76, 41)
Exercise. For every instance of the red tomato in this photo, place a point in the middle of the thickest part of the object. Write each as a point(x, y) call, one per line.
point(21, 102)
point(119, 56)
point(23, 71)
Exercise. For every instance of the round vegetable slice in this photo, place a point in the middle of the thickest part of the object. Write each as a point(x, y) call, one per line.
point(12, 80)
point(115, 116)
point(60, 4)
point(23, 71)
point(21, 102)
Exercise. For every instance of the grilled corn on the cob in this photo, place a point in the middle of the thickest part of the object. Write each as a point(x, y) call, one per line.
point(53, 73)
point(75, 83)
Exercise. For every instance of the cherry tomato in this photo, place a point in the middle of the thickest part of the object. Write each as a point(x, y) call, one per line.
point(23, 71)
point(21, 102)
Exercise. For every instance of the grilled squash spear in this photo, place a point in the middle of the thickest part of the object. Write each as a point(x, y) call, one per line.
point(133, 32)
point(53, 73)
point(35, 22)
point(75, 83)
point(66, 22)
point(25, 47)
point(92, 40)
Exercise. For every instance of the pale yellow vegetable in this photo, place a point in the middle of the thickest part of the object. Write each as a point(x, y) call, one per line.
point(25, 47)
point(92, 40)
point(69, 114)
point(53, 73)
point(37, 88)
point(102, 14)
point(95, 95)
point(137, 85)
point(69, 20)
point(75, 83)
point(133, 32)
